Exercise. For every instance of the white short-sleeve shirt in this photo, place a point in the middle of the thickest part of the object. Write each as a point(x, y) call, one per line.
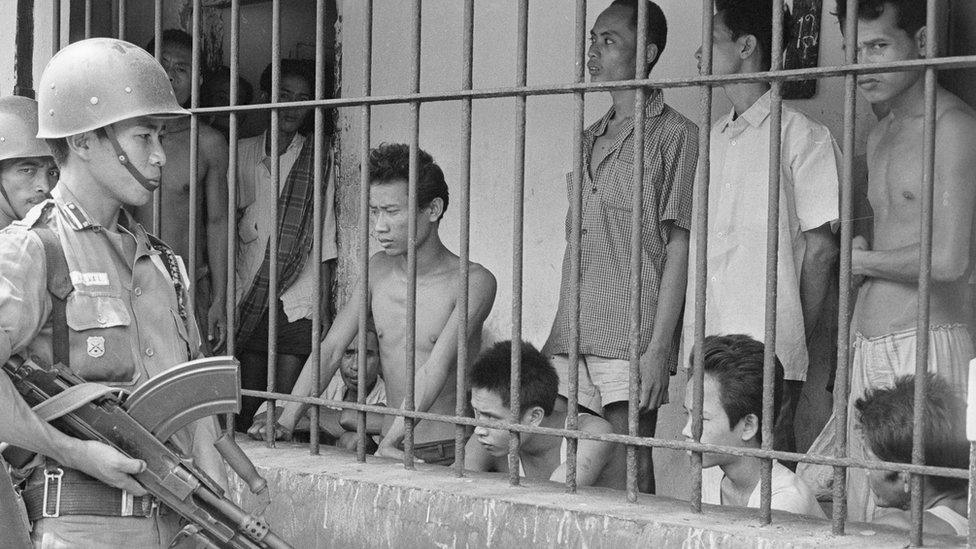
point(737, 214)
point(789, 492)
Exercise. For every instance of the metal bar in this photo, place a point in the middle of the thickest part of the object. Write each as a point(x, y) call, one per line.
point(411, 340)
point(772, 262)
point(24, 49)
point(924, 274)
point(971, 515)
point(636, 251)
point(943, 63)
point(121, 21)
point(697, 380)
point(88, 19)
point(363, 297)
point(575, 243)
point(231, 295)
point(273, 239)
point(157, 206)
point(316, 258)
point(55, 26)
point(467, 71)
point(518, 193)
point(194, 154)
point(651, 442)
point(842, 378)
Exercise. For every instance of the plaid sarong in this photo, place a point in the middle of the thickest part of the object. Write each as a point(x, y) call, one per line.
point(295, 207)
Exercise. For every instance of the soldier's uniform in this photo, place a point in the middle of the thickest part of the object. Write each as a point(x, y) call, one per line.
point(128, 316)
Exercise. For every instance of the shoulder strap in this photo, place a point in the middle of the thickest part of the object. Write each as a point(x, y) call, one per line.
point(175, 275)
point(59, 285)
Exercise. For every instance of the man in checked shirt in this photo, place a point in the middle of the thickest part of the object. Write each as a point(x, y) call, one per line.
point(670, 157)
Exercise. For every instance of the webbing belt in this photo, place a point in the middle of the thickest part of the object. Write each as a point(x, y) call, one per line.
point(55, 491)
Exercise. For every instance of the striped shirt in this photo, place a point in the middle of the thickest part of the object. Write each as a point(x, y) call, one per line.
point(670, 158)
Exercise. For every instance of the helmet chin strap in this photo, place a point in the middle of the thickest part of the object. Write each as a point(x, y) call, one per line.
point(146, 183)
point(6, 198)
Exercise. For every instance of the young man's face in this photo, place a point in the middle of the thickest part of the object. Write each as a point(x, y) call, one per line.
point(349, 367)
point(725, 49)
point(293, 88)
point(715, 423)
point(141, 139)
point(178, 62)
point(389, 212)
point(882, 41)
point(27, 182)
point(613, 46)
point(488, 404)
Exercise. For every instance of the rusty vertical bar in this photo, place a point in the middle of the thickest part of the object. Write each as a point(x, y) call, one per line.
point(55, 26)
point(697, 380)
point(518, 210)
point(362, 299)
point(411, 343)
point(158, 53)
point(88, 18)
point(235, 22)
point(636, 250)
point(772, 261)
point(316, 258)
point(971, 514)
point(121, 20)
point(924, 272)
point(273, 301)
point(194, 154)
point(841, 382)
point(467, 70)
point(575, 243)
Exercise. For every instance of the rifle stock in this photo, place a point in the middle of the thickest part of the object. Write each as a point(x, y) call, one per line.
point(171, 478)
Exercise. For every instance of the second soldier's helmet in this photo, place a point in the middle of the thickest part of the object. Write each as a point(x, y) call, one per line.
point(18, 128)
point(100, 81)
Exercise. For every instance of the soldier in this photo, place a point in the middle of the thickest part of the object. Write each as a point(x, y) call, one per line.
point(27, 169)
point(103, 105)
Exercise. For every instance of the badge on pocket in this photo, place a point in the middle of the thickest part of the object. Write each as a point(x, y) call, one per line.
point(96, 346)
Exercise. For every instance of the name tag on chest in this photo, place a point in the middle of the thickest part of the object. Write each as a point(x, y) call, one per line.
point(89, 279)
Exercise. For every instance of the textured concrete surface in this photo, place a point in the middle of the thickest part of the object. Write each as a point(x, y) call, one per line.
point(331, 500)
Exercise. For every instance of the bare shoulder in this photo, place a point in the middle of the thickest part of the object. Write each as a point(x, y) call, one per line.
point(212, 143)
point(955, 125)
point(478, 274)
point(897, 518)
point(594, 424)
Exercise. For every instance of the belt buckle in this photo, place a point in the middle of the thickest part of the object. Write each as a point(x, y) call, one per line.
point(50, 475)
point(127, 501)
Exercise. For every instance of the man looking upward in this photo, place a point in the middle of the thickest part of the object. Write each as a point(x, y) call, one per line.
point(670, 156)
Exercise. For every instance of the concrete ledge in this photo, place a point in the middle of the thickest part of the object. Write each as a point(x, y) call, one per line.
point(331, 500)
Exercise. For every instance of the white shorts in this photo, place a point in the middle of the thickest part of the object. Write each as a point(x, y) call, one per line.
point(602, 380)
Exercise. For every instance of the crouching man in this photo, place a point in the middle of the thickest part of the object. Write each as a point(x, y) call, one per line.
point(540, 456)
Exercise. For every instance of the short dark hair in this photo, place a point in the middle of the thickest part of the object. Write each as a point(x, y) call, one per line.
point(887, 421)
point(539, 385)
point(910, 16)
point(173, 37)
point(657, 25)
point(391, 162)
point(755, 18)
point(736, 363)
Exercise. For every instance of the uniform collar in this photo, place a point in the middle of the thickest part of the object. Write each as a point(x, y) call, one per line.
point(755, 115)
point(78, 219)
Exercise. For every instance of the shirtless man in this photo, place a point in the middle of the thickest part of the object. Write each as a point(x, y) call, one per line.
point(436, 321)
point(540, 456)
point(887, 303)
point(211, 264)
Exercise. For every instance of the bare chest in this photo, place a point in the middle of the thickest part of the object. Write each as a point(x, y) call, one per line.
point(895, 175)
point(435, 303)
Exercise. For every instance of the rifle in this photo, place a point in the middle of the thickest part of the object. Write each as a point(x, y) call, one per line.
point(140, 425)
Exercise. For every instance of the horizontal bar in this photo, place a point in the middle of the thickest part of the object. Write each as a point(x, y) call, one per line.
point(623, 439)
point(943, 63)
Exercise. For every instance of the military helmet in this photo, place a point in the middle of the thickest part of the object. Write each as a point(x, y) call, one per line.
point(93, 83)
point(18, 128)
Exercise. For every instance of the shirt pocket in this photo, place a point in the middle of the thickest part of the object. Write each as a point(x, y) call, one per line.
point(618, 192)
point(99, 338)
